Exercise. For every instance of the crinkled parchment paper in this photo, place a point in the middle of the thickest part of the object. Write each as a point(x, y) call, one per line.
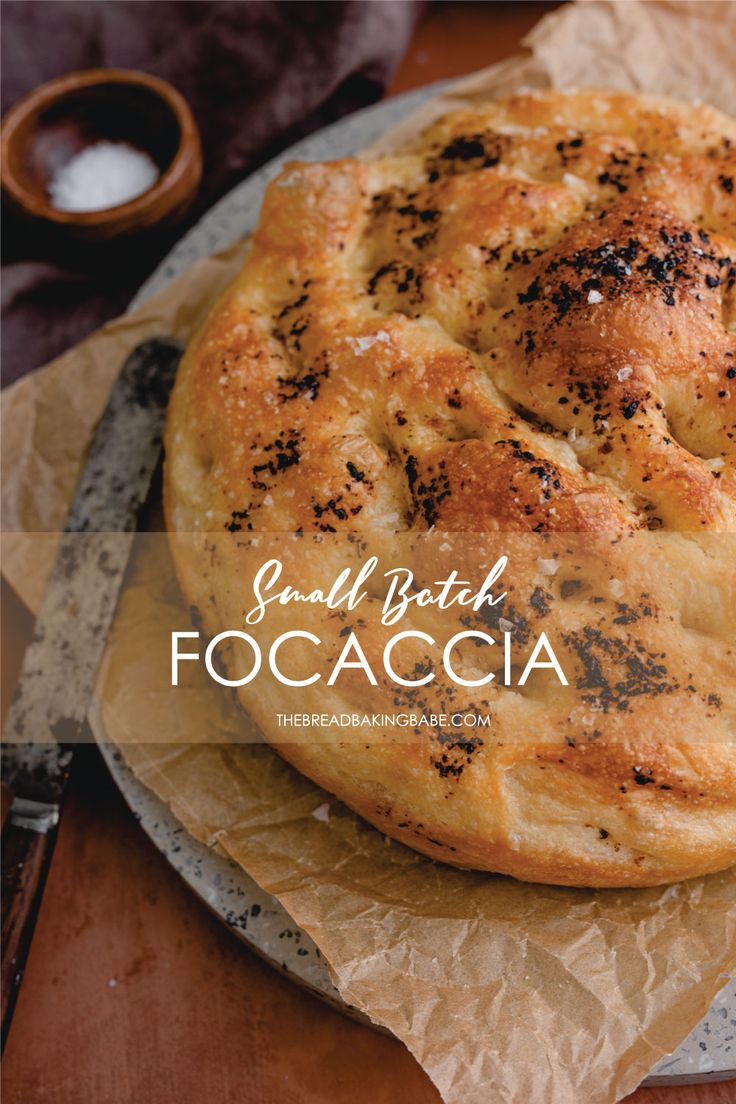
point(503, 991)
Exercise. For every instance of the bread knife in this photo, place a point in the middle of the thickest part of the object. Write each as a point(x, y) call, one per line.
point(48, 712)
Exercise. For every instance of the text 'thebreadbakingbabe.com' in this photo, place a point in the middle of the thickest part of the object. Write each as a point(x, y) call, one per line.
point(381, 720)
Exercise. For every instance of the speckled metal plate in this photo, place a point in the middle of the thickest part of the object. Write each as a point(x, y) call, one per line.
point(709, 1054)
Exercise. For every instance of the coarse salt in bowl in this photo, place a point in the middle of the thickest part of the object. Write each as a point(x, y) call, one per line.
point(102, 153)
point(102, 175)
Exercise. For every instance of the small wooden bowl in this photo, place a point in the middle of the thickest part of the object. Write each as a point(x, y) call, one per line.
point(45, 129)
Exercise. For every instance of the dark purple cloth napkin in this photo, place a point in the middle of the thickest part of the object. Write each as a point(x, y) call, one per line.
point(257, 74)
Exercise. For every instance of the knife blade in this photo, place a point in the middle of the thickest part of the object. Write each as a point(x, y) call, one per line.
point(49, 709)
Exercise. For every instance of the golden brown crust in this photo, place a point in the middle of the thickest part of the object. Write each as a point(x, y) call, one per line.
point(523, 324)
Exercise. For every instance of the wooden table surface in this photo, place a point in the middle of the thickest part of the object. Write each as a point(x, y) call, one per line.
point(134, 992)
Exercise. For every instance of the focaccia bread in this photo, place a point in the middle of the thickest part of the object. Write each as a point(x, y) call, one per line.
point(521, 326)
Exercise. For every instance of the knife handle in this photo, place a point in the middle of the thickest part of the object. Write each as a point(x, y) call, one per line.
point(26, 857)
